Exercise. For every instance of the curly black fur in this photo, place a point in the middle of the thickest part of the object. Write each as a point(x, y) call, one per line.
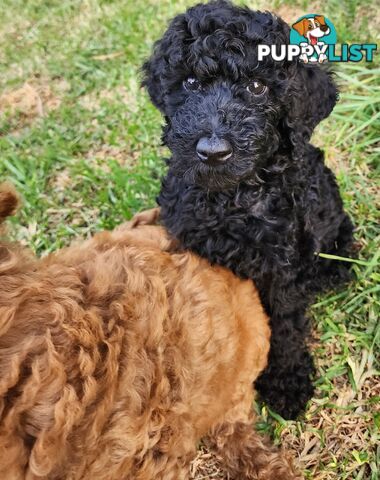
point(273, 205)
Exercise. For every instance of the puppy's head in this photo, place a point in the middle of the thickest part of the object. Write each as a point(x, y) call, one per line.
point(312, 28)
point(226, 113)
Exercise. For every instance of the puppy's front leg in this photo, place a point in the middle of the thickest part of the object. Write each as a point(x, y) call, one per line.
point(286, 385)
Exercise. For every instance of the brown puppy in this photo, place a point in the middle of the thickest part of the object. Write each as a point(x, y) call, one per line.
point(117, 355)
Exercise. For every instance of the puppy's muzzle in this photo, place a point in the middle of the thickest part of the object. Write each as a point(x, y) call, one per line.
point(213, 150)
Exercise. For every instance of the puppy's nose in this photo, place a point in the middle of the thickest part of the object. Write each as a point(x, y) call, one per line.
point(214, 150)
point(324, 28)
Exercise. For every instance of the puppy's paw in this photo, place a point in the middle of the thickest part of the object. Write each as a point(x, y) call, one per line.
point(147, 217)
point(291, 403)
point(287, 392)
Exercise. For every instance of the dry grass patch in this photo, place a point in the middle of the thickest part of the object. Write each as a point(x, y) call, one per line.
point(123, 155)
point(338, 435)
point(292, 13)
point(206, 467)
point(118, 95)
point(34, 99)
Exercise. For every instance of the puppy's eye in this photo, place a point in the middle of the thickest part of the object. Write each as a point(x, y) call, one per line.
point(256, 88)
point(192, 84)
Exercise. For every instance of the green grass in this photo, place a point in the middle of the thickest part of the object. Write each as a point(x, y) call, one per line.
point(81, 141)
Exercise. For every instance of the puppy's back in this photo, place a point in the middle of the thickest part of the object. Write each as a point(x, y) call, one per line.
point(112, 349)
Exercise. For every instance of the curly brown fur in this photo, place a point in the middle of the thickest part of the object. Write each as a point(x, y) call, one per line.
point(117, 355)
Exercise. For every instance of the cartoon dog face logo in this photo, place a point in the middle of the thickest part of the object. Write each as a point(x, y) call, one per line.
point(313, 28)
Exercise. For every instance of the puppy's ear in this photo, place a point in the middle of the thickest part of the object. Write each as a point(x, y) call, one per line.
point(9, 200)
point(167, 58)
point(153, 70)
point(320, 19)
point(301, 26)
point(312, 95)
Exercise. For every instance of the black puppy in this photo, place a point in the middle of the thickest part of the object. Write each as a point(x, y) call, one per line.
point(245, 188)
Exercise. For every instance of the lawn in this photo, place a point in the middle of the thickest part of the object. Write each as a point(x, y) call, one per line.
point(81, 141)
